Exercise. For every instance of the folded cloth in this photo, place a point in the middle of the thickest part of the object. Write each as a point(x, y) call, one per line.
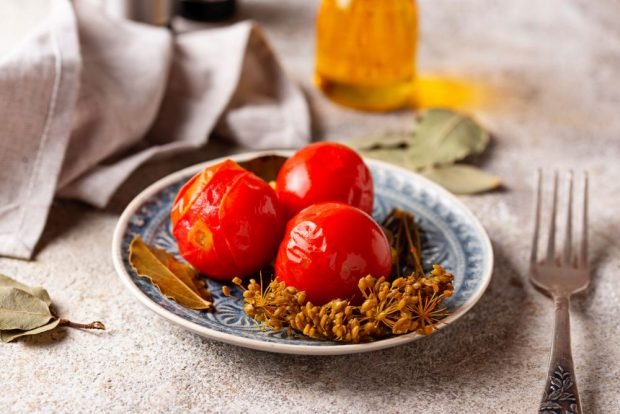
point(86, 99)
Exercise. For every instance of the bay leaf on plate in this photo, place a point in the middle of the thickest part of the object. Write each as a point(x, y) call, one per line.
point(174, 279)
point(462, 179)
point(265, 167)
point(443, 137)
point(13, 334)
point(38, 292)
point(22, 310)
point(185, 273)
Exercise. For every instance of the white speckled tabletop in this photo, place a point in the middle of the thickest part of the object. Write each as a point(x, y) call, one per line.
point(551, 71)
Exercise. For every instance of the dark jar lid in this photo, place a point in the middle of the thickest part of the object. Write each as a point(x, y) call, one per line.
point(206, 10)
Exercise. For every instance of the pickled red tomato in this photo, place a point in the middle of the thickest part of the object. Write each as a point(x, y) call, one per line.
point(327, 248)
point(324, 172)
point(227, 221)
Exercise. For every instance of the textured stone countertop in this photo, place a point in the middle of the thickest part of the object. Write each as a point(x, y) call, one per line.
point(551, 75)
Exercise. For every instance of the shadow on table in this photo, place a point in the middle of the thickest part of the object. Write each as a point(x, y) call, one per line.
point(46, 339)
point(63, 216)
point(58, 335)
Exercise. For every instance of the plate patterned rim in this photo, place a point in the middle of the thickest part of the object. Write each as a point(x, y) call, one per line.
point(306, 348)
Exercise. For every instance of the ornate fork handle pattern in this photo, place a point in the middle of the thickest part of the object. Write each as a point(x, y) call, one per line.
point(560, 397)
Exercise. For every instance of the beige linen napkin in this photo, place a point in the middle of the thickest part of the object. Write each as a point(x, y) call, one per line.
point(85, 100)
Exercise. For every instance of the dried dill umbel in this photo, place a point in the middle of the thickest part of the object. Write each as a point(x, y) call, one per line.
point(404, 305)
point(412, 303)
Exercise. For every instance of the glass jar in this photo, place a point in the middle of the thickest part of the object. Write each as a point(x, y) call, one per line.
point(366, 52)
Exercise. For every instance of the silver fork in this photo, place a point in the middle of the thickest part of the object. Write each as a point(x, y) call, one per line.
point(560, 276)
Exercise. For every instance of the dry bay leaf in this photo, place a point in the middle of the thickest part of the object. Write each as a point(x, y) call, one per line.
point(443, 137)
point(402, 158)
point(378, 142)
point(13, 334)
point(462, 179)
point(186, 274)
point(174, 279)
point(25, 310)
point(38, 292)
point(21, 310)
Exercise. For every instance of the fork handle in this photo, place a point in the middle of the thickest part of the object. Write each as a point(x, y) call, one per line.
point(560, 395)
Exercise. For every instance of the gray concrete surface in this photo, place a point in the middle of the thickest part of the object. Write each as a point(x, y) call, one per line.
point(552, 74)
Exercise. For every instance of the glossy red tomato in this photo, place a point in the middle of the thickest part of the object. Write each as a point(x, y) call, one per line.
point(323, 172)
point(327, 248)
point(227, 221)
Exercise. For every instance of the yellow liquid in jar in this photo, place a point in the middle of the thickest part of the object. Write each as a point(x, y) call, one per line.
point(365, 52)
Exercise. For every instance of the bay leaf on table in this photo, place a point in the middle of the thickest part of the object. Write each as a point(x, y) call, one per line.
point(22, 310)
point(174, 279)
point(38, 292)
point(443, 137)
point(378, 142)
point(13, 334)
point(402, 158)
point(25, 310)
point(462, 179)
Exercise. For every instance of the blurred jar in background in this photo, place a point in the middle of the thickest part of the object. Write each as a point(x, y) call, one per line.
point(365, 52)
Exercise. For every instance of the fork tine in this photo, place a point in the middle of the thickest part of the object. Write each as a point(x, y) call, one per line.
point(568, 240)
point(583, 257)
point(551, 241)
point(533, 255)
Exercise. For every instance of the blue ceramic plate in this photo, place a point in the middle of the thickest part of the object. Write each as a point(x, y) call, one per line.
point(453, 238)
